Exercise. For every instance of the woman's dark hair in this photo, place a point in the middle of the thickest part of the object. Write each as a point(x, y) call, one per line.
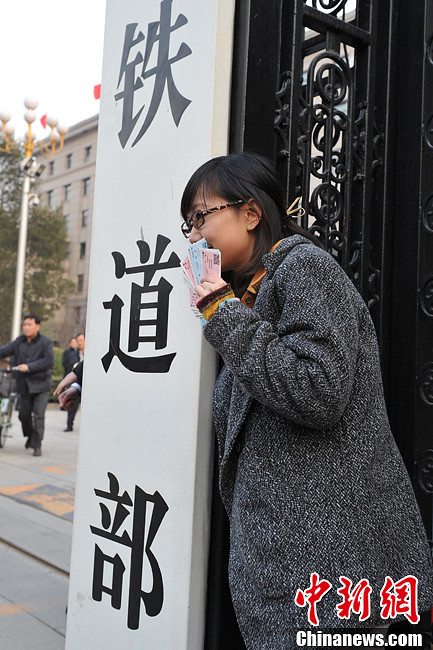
point(246, 176)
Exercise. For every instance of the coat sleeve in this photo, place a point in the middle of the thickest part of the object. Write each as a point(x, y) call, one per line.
point(8, 349)
point(79, 372)
point(46, 358)
point(304, 366)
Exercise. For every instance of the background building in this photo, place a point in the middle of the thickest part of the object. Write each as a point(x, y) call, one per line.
point(68, 181)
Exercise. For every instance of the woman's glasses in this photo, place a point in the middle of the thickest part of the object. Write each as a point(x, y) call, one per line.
point(196, 220)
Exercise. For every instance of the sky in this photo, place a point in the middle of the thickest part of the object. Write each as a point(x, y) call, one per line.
point(51, 50)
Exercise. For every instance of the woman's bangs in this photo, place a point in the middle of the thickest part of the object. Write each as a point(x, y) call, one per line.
point(203, 183)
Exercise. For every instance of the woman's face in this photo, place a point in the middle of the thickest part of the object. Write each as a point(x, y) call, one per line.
point(231, 230)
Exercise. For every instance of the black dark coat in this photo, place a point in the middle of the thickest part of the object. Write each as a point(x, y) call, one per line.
point(38, 355)
point(69, 359)
point(78, 370)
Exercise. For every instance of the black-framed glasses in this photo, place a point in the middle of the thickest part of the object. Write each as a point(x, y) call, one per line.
point(196, 220)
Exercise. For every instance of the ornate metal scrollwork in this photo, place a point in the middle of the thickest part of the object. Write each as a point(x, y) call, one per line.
point(427, 216)
point(359, 144)
point(425, 471)
point(373, 277)
point(429, 50)
point(327, 6)
point(427, 298)
point(359, 141)
point(425, 384)
point(373, 288)
point(282, 113)
point(326, 202)
point(326, 147)
point(378, 140)
point(354, 263)
point(428, 132)
point(332, 153)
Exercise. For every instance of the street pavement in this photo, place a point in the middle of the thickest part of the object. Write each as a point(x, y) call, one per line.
point(36, 511)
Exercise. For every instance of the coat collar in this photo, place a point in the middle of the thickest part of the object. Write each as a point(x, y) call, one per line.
point(271, 261)
point(35, 339)
point(250, 295)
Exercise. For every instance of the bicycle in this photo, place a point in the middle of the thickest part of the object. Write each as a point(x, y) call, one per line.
point(7, 403)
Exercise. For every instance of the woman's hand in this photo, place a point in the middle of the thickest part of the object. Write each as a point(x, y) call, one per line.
point(208, 284)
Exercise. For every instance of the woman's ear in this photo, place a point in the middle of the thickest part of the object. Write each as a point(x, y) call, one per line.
point(253, 214)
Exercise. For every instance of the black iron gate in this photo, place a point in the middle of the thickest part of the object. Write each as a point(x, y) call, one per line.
point(340, 94)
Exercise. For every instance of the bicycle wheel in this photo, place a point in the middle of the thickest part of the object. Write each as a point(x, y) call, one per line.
point(7, 405)
point(4, 426)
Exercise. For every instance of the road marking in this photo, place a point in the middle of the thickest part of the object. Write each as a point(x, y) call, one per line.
point(17, 489)
point(59, 469)
point(12, 608)
point(57, 501)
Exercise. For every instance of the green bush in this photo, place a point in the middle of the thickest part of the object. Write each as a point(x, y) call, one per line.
point(58, 367)
point(57, 371)
point(54, 381)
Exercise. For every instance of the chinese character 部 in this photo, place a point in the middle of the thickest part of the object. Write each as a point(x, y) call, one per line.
point(144, 297)
point(158, 38)
point(138, 544)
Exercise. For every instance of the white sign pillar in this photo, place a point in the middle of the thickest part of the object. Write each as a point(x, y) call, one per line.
point(142, 515)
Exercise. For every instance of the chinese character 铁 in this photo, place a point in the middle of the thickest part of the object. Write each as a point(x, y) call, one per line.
point(158, 34)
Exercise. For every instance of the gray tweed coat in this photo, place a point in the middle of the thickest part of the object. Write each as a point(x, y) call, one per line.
point(310, 475)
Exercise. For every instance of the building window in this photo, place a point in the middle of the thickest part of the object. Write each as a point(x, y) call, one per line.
point(69, 161)
point(86, 186)
point(88, 153)
point(84, 218)
point(80, 283)
point(82, 250)
point(51, 164)
point(50, 198)
point(68, 192)
point(77, 312)
point(66, 218)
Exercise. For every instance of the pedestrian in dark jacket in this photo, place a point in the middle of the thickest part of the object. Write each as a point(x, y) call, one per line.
point(70, 356)
point(73, 359)
point(33, 358)
point(309, 472)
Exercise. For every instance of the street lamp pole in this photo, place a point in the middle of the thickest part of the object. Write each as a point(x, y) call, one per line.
point(21, 256)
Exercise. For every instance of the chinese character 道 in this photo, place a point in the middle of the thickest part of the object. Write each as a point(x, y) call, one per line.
point(144, 297)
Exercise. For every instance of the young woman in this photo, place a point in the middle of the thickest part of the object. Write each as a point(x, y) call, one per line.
point(310, 475)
